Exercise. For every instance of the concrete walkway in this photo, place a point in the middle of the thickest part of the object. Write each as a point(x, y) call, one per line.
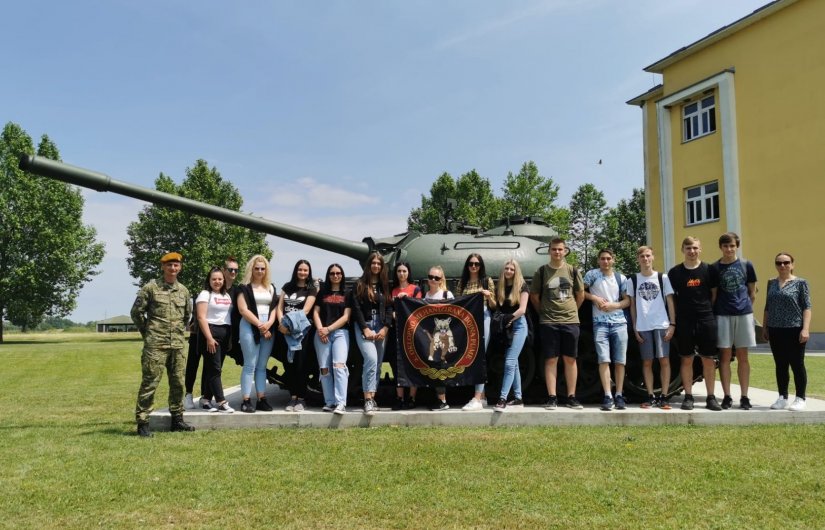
point(532, 415)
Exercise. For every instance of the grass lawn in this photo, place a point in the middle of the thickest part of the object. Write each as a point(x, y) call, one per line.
point(70, 459)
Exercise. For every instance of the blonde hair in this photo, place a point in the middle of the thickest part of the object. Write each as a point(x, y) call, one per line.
point(442, 285)
point(518, 281)
point(641, 249)
point(247, 273)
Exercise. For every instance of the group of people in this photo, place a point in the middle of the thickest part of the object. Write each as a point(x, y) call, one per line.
point(706, 307)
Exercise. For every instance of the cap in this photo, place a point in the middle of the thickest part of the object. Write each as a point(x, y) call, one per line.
point(171, 256)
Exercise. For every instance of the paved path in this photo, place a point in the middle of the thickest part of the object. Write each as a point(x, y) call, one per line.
point(533, 415)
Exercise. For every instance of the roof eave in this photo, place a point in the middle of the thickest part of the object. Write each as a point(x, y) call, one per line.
point(721, 33)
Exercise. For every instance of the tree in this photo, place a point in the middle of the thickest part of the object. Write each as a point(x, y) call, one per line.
point(527, 193)
point(204, 243)
point(587, 210)
point(475, 203)
point(46, 253)
point(625, 231)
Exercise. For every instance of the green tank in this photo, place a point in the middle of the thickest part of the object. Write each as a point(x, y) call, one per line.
point(525, 239)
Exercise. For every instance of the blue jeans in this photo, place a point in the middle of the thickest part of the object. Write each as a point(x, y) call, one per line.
point(611, 342)
point(512, 377)
point(255, 357)
point(334, 383)
point(373, 353)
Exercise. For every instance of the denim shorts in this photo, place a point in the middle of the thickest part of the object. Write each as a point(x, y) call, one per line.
point(611, 341)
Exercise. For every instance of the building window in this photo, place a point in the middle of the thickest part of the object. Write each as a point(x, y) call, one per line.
point(699, 118)
point(702, 203)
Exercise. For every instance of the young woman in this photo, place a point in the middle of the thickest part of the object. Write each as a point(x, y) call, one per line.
point(373, 317)
point(258, 305)
point(401, 287)
point(512, 295)
point(786, 325)
point(437, 291)
point(474, 280)
point(298, 294)
point(330, 315)
point(213, 308)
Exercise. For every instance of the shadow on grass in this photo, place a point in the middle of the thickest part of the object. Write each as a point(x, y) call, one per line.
point(64, 341)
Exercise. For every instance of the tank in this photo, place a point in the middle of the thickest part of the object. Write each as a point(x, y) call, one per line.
point(525, 239)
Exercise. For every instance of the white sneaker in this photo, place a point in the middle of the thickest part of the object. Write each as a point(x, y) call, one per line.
point(798, 405)
point(474, 404)
point(225, 408)
point(369, 407)
point(780, 404)
point(340, 408)
point(188, 402)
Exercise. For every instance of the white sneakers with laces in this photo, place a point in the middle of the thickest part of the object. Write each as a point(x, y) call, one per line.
point(473, 404)
point(798, 405)
point(780, 404)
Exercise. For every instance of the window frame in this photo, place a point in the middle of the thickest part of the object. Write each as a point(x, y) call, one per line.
point(697, 207)
point(701, 121)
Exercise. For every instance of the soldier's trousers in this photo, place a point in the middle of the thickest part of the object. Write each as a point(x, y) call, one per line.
point(153, 361)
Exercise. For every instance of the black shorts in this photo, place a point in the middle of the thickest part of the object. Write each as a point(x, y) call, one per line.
point(559, 339)
point(696, 335)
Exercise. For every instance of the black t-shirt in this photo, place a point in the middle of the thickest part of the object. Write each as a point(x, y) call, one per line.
point(506, 307)
point(692, 290)
point(331, 306)
point(295, 297)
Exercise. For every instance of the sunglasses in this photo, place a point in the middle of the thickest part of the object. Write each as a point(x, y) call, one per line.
point(780, 263)
point(474, 264)
point(232, 269)
point(434, 278)
point(336, 273)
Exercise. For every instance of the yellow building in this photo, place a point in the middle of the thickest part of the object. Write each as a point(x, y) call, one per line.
point(734, 140)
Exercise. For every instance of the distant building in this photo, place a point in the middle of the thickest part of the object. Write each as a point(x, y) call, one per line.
point(733, 142)
point(116, 324)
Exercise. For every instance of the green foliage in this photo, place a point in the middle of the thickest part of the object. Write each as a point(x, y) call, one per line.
point(46, 253)
point(204, 243)
point(587, 210)
point(624, 230)
point(476, 204)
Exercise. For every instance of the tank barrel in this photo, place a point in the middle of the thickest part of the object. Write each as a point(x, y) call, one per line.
point(100, 182)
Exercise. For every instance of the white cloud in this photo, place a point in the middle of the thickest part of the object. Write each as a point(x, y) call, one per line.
point(320, 194)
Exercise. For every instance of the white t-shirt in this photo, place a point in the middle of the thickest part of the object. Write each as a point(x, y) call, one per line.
point(219, 308)
point(607, 288)
point(651, 307)
point(439, 295)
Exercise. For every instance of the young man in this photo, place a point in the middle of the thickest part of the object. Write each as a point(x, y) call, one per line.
point(734, 316)
point(230, 274)
point(557, 293)
point(654, 322)
point(160, 312)
point(694, 285)
point(607, 290)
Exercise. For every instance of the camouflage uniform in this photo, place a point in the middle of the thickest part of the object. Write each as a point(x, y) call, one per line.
point(160, 312)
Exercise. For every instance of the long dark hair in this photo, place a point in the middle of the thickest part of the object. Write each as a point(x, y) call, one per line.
point(327, 286)
point(465, 272)
point(292, 284)
point(207, 285)
point(362, 288)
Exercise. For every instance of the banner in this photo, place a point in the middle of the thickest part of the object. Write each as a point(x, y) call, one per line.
point(440, 343)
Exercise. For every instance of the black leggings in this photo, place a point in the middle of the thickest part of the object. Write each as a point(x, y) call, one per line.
point(193, 359)
point(213, 362)
point(296, 373)
point(788, 351)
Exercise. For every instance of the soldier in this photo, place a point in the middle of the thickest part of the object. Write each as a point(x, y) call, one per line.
point(160, 311)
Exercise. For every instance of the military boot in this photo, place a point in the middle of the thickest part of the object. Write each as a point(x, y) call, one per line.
point(179, 425)
point(144, 431)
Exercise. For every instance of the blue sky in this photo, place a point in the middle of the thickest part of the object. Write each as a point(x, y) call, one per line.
point(336, 116)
